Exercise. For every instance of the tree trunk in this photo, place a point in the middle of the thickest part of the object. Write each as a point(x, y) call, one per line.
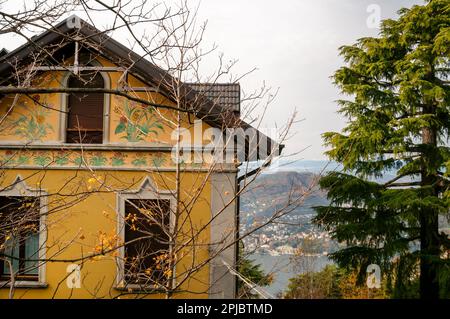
point(429, 232)
point(429, 285)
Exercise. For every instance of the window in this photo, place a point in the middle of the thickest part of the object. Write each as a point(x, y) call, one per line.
point(85, 111)
point(19, 237)
point(146, 241)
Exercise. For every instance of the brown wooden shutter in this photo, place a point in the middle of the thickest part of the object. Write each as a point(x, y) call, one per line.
point(85, 111)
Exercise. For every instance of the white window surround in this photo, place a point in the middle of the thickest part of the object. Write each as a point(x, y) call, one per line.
point(106, 107)
point(20, 189)
point(147, 190)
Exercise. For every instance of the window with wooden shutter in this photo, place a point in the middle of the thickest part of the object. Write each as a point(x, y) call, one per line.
point(147, 223)
point(85, 110)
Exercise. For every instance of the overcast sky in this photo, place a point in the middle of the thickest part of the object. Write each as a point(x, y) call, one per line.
point(294, 44)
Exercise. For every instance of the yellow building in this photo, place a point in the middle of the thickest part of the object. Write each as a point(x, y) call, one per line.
point(96, 201)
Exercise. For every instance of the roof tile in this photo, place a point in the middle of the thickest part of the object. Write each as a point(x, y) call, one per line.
point(225, 94)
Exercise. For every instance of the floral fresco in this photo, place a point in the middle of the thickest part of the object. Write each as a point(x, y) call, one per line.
point(118, 159)
point(137, 121)
point(139, 160)
point(98, 159)
point(42, 159)
point(93, 159)
point(62, 158)
point(158, 160)
point(31, 123)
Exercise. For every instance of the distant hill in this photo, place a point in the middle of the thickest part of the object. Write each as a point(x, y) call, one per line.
point(310, 166)
point(272, 192)
point(287, 165)
point(293, 185)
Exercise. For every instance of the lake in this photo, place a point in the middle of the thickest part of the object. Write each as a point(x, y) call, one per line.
point(283, 268)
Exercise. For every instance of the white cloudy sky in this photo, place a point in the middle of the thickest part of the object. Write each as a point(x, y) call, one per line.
point(293, 43)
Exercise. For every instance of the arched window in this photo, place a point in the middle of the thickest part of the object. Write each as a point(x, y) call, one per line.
point(85, 110)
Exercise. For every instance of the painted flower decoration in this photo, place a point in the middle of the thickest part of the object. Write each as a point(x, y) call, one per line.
point(137, 122)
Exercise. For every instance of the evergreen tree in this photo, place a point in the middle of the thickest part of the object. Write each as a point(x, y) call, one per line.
point(398, 114)
point(253, 273)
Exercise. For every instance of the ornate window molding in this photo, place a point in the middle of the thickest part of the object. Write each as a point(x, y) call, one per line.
point(20, 189)
point(147, 190)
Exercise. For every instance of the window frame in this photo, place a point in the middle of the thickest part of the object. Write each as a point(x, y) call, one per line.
point(64, 101)
point(20, 189)
point(18, 245)
point(147, 190)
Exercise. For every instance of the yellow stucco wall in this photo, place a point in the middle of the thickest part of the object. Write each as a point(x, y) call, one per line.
point(41, 121)
point(73, 232)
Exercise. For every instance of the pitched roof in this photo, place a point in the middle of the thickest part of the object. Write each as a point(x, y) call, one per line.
point(3, 52)
point(225, 94)
point(213, 105)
